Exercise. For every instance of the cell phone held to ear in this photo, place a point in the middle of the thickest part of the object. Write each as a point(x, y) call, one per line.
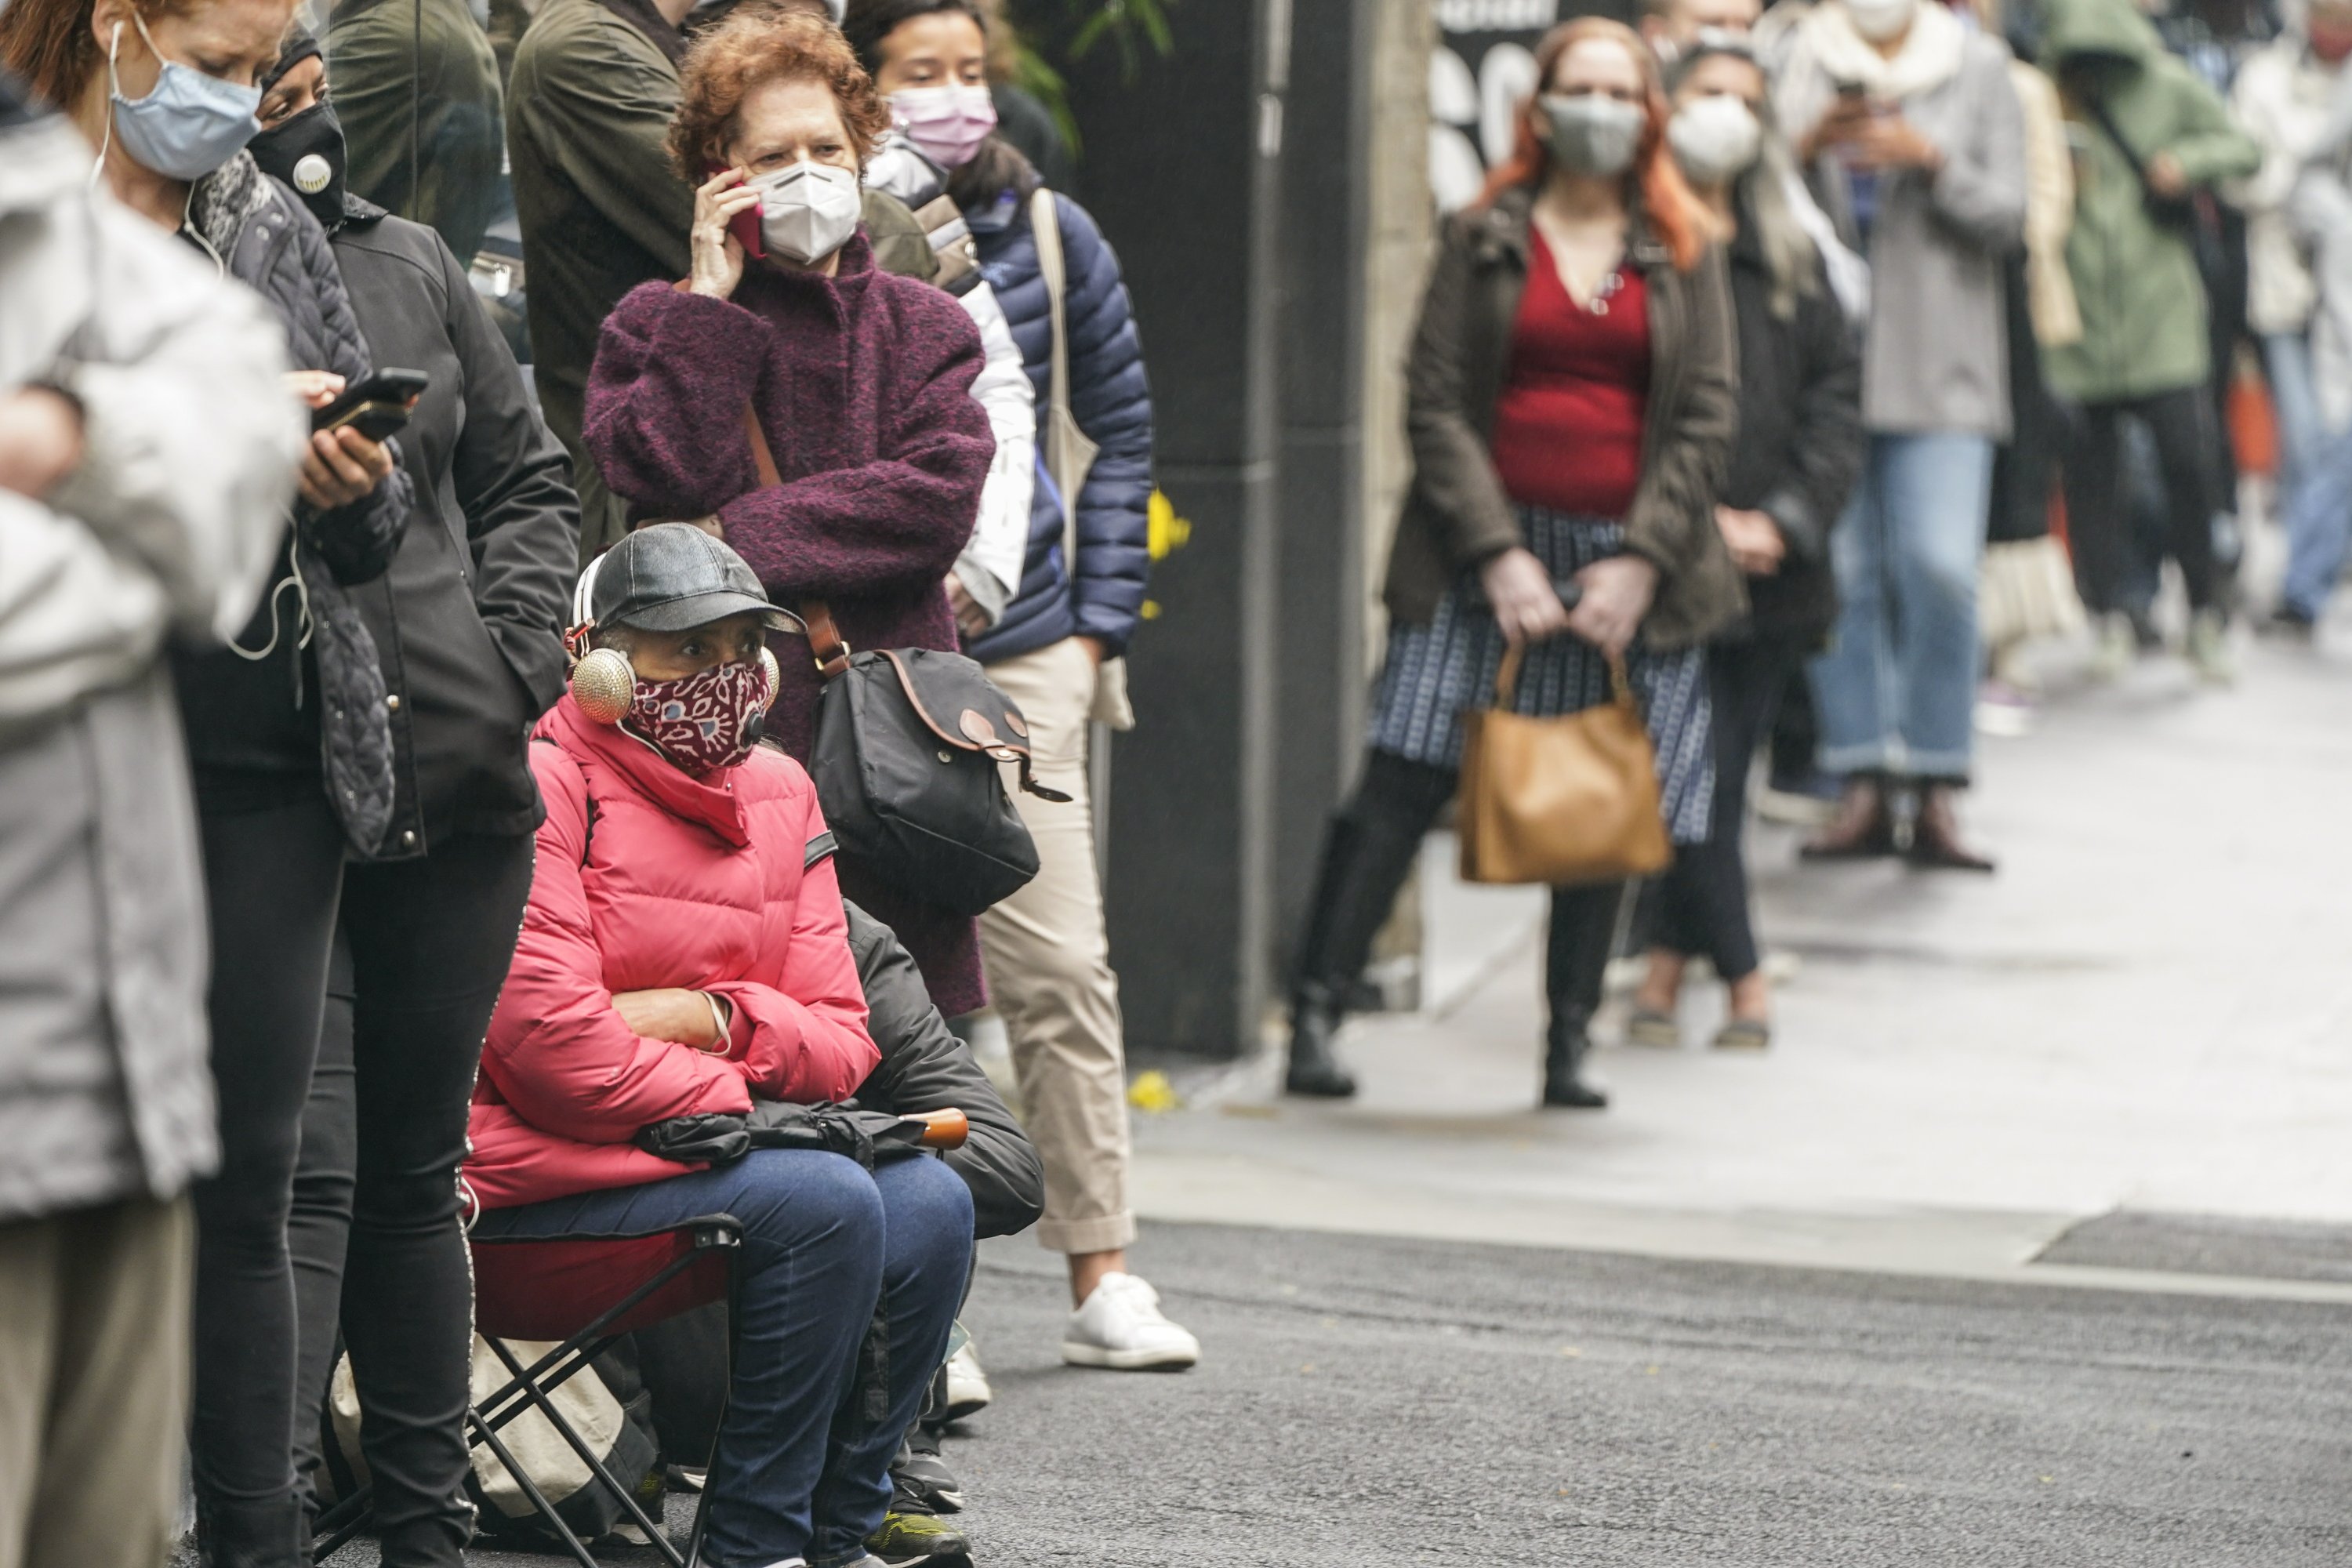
point(376, 406)
point(744, 225)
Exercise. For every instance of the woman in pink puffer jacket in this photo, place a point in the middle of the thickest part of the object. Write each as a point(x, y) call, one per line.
point(685, 950)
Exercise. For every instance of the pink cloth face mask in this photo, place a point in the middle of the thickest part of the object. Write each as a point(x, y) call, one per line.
point(946, 124)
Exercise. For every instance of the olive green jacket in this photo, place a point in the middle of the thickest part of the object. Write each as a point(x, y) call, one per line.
point(2136, 278)
point(1456, 513)
point(416, 89)
point(588, 113)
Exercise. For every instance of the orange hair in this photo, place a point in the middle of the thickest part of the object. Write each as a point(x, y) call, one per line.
point(1665, 200)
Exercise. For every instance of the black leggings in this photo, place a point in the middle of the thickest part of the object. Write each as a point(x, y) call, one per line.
point(1700, 905)
point(420, 955)
point(1370, 850)
point(271, 880)
point(2181, 421)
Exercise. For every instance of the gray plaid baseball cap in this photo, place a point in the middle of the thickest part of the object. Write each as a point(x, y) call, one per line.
point(669, 577)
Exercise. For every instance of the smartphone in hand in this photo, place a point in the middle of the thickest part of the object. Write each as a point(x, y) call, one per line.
point(377, 407)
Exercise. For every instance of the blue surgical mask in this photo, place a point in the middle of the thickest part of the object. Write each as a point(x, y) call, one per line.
point(190, 125)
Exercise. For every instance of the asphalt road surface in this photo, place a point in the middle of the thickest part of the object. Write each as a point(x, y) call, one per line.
point(1374, 1401)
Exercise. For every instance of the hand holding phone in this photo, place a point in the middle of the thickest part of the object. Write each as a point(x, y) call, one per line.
point(378, 407)
point(721, 203)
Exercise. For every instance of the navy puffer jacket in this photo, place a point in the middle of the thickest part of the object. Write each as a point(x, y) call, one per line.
point(1112, 404)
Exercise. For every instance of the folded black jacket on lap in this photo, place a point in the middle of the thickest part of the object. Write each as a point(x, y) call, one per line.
point(924, 1068)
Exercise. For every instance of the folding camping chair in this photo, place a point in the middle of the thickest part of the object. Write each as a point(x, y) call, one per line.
point(576, 1288)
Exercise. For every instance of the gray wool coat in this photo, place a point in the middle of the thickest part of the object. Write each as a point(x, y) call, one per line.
point(166, 529)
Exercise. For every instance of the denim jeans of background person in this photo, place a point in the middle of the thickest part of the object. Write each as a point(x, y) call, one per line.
point(1896, 690)
point(1926, 168)
point(2284, 96)
point(141, 495)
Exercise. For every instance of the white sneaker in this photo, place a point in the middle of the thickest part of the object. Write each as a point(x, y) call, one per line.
point(968, 1390)
point(1121, 1327)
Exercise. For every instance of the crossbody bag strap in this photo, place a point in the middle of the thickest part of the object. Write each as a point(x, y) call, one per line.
point(1046, 226)
point(826, 645)
point(2105, 119)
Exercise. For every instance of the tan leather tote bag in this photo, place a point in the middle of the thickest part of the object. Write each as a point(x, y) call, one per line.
point(1563, 800)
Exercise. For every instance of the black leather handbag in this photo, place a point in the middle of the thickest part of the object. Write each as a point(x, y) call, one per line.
point(908, 744)
point(906, 762)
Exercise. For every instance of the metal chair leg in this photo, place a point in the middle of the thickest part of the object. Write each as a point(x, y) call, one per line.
point(579, 1553)
point(656, 1533)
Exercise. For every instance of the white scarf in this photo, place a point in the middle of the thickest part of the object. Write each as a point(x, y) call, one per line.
point(1930, 55)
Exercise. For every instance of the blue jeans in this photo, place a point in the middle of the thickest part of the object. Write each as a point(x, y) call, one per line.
point(2318, 519)
point(2295, 397)
point(802, 1470)
point(1896, 691)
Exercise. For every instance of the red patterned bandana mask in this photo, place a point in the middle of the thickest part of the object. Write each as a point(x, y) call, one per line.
point(705, 722)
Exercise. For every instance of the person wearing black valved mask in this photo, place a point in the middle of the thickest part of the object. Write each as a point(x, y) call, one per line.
point(467, 623)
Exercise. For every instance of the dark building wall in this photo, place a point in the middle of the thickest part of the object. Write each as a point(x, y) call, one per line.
point(1181, 170)
point(1324, 224)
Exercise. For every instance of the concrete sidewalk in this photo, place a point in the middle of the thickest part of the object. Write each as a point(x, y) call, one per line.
point(2149, 1007)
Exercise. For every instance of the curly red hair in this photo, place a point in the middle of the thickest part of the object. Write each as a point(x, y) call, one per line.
point(758, 44)
point(1666, 199)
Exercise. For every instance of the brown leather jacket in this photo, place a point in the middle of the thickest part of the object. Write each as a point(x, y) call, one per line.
point(1456, 514)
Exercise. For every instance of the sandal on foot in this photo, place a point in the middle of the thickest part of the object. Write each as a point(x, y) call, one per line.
point(1648, 1026)
point(1744, 1035)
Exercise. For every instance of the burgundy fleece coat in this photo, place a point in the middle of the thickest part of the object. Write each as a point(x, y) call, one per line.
point(863, 386)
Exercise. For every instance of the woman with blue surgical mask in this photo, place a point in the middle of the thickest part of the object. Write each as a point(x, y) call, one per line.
point(287, 730)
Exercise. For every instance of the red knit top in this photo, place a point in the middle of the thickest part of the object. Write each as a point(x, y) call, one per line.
point(1568, 427)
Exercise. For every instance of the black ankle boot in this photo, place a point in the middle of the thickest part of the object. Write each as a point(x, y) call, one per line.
point(1564, 1082)
point(251, 1533)
point(1314, 1069)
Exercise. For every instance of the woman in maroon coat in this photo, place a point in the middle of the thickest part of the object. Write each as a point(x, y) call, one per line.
point(861, 382)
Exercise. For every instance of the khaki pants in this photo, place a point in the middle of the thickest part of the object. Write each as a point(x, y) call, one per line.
point(1049, 969)
point(93, 1385)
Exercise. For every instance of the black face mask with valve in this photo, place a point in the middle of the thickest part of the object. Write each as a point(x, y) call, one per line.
point(306, 151)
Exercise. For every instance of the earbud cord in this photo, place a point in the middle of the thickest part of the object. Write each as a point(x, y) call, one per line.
point(113, 90)
point(301, 619)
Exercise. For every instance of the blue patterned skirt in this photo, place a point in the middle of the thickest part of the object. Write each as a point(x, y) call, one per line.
point(1435, 671)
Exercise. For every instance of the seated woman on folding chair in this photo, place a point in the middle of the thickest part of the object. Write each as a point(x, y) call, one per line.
point(685, 950)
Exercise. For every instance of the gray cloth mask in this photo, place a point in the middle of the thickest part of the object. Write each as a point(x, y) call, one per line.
point(1593, 135)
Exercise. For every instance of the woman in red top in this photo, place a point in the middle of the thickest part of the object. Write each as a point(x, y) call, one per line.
point(685, 950)
point(1572, 408)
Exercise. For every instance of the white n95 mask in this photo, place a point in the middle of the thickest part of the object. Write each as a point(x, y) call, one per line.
point(808, 211)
